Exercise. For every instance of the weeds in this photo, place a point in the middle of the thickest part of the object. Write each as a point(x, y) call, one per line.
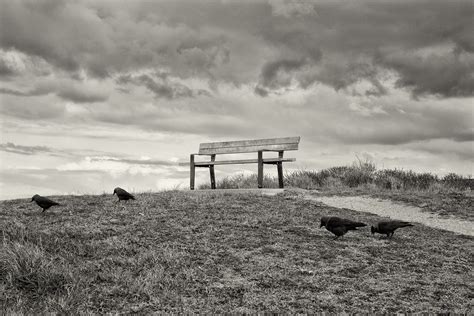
point(359, 174)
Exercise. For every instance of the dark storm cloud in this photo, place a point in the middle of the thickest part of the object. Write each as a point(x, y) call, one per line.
point(341, 42)
point(161, 86)
point(360, 40)
point(277, 74)
point(105, 38)
point(448, 75)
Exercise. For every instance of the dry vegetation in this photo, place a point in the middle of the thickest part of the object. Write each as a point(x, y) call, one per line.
point(212, 253)
point(448, 196)
point(361, 174)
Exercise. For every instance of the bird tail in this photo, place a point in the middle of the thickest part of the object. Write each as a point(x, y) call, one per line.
point(354, 225)
point(405, 224)
point(132, 197)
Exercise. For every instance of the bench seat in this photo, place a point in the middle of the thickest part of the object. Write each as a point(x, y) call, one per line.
point(272, 161)
point(259, 146)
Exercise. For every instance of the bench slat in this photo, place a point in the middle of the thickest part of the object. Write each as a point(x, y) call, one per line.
point(246, 146)
point(247, 149)
point(242, 161)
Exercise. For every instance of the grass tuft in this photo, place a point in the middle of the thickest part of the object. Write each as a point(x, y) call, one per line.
point(40, 281)
point(26, 268)
point(361, 174)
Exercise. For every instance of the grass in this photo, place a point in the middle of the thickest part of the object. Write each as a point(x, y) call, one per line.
point(448, 196)
point(359, 174)
point(180, 252)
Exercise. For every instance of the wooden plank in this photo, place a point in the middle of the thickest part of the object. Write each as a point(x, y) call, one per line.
point(212, 174)
point(260, 170)
point(248, 149)
point(280, 170)
point(252, 142)
point(252, 145)
point(242, 161)
point(192, 172)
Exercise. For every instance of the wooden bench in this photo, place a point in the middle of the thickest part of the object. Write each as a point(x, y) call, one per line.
point(244, 146)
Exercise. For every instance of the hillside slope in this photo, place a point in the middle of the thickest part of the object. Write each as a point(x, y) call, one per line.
point(210, 253)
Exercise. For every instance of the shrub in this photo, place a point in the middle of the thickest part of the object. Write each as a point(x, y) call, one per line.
point(455, 181)
point(302, 179)
point(386, 179)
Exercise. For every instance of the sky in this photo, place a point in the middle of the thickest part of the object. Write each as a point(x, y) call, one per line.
point(99, 94)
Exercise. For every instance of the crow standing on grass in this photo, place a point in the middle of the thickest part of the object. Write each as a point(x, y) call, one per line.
point(43, 202)
point(388, 227)
point(123, 195)
point(339, 226)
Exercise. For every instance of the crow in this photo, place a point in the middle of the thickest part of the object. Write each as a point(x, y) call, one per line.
point(43, 202)
point(339, 226)
point(388, 227)
point(123, 195)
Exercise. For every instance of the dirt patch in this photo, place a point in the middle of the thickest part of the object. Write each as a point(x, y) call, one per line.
point(398, 211)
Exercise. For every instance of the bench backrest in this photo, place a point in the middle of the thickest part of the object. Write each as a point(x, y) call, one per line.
point(247, 146)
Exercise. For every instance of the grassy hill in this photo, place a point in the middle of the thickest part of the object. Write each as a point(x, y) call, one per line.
point(212, 253)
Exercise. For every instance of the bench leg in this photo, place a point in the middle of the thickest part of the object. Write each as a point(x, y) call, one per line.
point(280, 170)
point(260, 170)
point(212, 174)
point(192, 172)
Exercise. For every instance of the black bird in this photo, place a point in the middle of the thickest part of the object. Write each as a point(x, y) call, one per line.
point(123, 195)
point(43, 202)
point(339, 226)
point(388, 227)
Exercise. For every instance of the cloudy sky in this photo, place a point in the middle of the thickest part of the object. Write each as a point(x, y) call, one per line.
point(98, 94)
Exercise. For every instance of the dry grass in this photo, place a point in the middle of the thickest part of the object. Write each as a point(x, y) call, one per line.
point(359, 174)
point(454, 204)
point(213, 253)
point(447, 196)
